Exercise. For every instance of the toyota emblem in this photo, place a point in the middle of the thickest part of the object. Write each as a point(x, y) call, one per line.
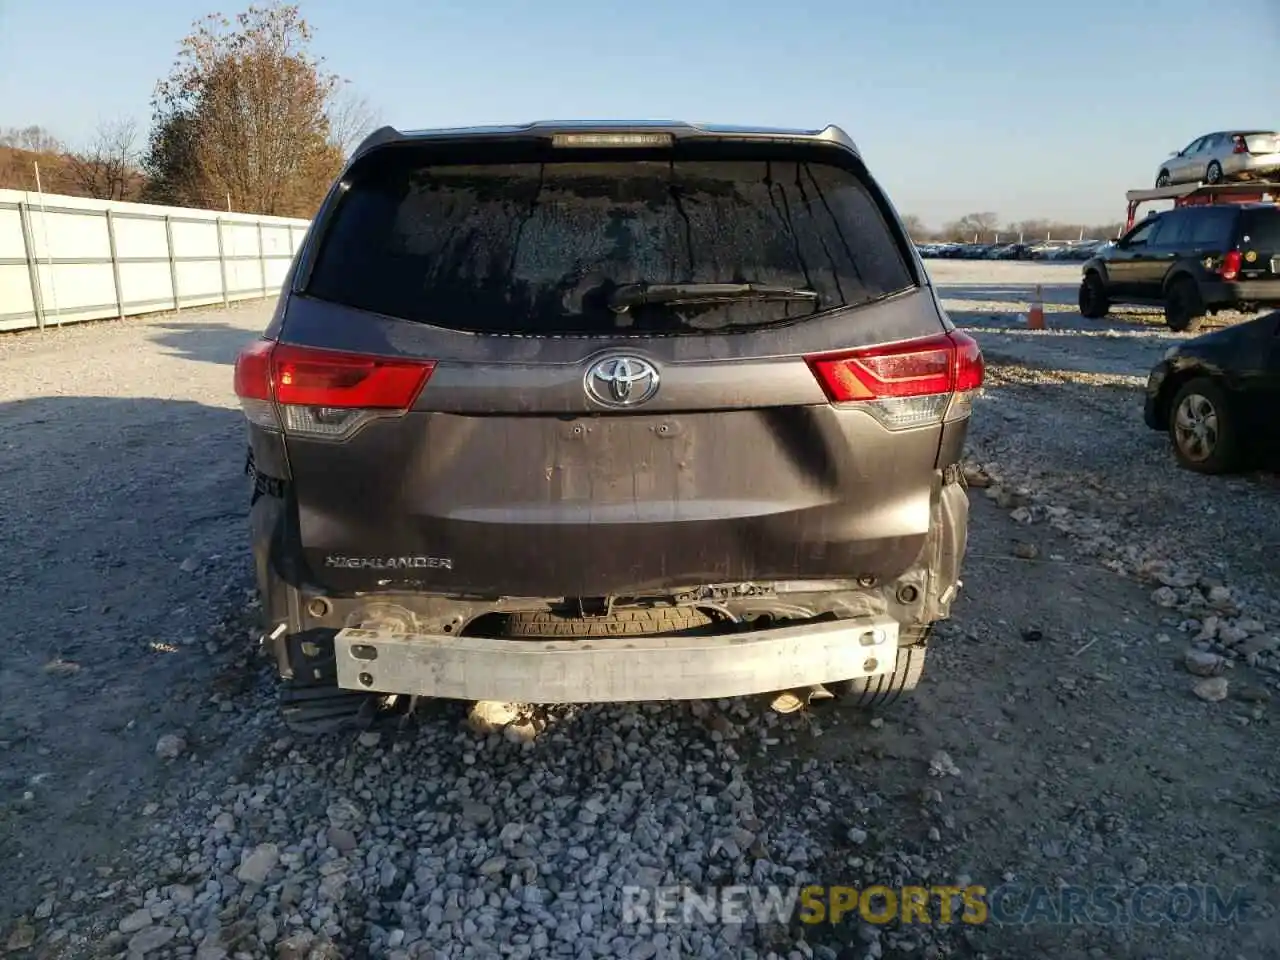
point(621, 381)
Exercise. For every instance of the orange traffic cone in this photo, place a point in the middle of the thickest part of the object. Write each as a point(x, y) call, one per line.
point(1035, 316)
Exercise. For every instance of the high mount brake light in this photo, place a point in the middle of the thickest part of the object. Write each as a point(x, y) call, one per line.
point(323, 393)
point(911, 384)
point(612, 140)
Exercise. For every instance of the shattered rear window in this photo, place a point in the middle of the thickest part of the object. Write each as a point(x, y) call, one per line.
point(536, 248)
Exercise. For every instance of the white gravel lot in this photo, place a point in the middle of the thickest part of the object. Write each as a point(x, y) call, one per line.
point(1055, 741)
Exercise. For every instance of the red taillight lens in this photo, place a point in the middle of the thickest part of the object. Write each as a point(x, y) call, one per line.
point(907, 370)
point(1239, 145)
point(323, 393)
point(324, 378)
point(253, 371)
point(266, 370)
point(906, 384)
point(917, 368)
point(1230, 265)
point(971, 369)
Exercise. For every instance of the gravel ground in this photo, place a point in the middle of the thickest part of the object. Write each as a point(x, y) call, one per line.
point(1098, 712)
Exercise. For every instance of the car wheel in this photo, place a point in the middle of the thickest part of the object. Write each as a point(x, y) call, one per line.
point(865, 693)
point(1094, 304)
point(1214, 173)
point(1183, 309)
point(1202, 428)
point(1163, 179)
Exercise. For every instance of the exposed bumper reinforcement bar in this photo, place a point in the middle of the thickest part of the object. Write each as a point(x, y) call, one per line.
point(608, 670)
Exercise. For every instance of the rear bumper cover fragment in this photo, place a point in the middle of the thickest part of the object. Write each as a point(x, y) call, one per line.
point(1152, 413)
point(608, 670)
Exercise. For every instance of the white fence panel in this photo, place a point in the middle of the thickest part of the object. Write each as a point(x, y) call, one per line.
point(194, 239)
point(241, 239)
point(15, 294)
point(11, 245)
point(146, 286)
point(140, 239)
point(67, 259)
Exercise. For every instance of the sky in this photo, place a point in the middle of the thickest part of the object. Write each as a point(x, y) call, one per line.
point(1027, 108)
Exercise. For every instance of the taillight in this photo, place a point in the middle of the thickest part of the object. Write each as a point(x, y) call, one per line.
point(253, 384)
point(323, 393)
point(324, 378)
point(909, 384)
point(1230, 268)
point(1239, 145)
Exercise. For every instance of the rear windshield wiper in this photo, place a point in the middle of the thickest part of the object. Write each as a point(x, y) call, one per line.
point(634, 294)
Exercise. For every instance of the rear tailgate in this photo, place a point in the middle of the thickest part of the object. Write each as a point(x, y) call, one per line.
point(560, 448)
point(1260, 243)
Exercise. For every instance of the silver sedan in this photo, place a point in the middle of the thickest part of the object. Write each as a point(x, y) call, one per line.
point(1218, 157)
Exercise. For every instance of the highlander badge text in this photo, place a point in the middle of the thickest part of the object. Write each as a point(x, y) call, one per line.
point(389, 563)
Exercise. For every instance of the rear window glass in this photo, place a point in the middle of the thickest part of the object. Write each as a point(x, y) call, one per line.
point(1171, 229)
point(1261, 228)
point(537, 248)
point(1211, 227)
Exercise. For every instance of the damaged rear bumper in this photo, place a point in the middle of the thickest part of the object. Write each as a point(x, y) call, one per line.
point(615, 670)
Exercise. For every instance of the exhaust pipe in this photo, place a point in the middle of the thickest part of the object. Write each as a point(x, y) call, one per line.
point(789, 701)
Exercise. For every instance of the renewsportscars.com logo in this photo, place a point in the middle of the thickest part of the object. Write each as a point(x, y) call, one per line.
point(1009, 904)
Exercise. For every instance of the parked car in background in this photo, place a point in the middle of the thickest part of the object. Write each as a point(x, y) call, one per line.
point(605, 412)
point(1217, 396)
point(1009, 251)
point(1064, 250)
point(1218, 157)
point(1191, 261)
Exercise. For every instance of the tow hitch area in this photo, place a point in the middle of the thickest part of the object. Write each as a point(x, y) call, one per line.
point(615, 670)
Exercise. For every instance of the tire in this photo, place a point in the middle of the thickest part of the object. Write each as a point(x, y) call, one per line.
point(1163, 179)
point(1202, 428)
point(655, 620)
point(868, 693)
point(1213, 173)
point(1094, 303)
point(1183, 308)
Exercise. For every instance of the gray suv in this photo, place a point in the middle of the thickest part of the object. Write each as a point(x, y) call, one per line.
point(573, 412)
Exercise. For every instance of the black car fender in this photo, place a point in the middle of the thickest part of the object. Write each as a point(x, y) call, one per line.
point(1185, 369)
point(1095, 265)
point(1178, 272)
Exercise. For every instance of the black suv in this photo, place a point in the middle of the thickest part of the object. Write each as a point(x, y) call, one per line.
point(1191, 261)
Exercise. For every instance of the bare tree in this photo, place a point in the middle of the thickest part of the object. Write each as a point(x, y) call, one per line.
point(351, 118)
point(980, 225)
point(916, 229)
point(1035, 228)
point(245, 112)
point(108, 169)
point(33, 138)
